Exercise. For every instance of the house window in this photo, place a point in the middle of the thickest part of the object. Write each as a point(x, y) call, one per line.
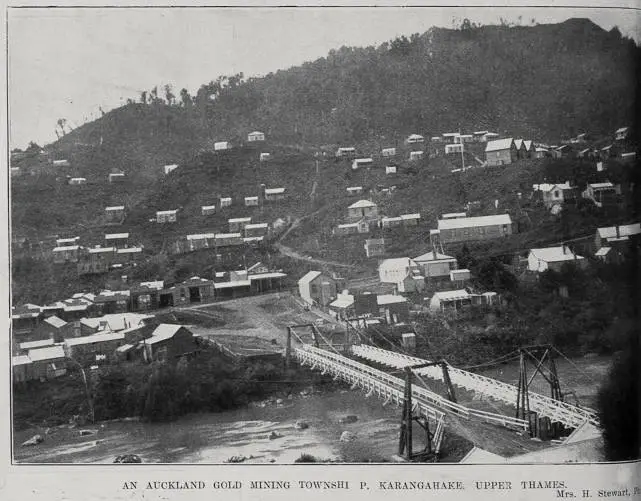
point(313, 289)
point(557, 194)
point(161, 354)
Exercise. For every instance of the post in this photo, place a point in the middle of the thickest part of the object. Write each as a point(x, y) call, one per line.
point(405, 438)
point(288, 348)
point(448, 382)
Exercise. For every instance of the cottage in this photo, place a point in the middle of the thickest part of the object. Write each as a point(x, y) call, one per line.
point(48, 363)
point(117, 177)
point(362, 209)
point(553, 258)
point(466, 138)
point(554, 194)
point(22, 368)
point(601, 193)
point(479, 136)
point(354, 190)
point(145, 296)
point(167, 216)
point(460, 278)
point(391, 222)
point(96, 260)
point(264, 157)
point(90, 350)
point(128, 255)
point(608, 235)
point(374, 247)
point(414, 139)
point(66, 254)
point(77, 180)
point(412, 284)
point(500, 152)
point(255, 136)
point(115, 214)
point(60, 163)
point(26, 317)
point(390, 169)
point(222, 146)
point(474, 228)
point(450, 300)
point(621, 134)
point(361, 226)
point(395, 309)
point(388, 152)
point(169, 168)
point(238, 223)
point(541, 152)
point(343, 306)
point(451, 137)
point(272, 194)
point(256, 230)
point(168, 343)
point(415, 156)
point(393, 271)
point(317, 288)
point(357, 163)
point(233, 289)
point(435, 266)
point(207, 210)
point(197, 289)
point(117, 240)
point(112, 302)
point(226, 202)
point(251, 201)
point(453, 148)
point(63, 242)
point(346, 152)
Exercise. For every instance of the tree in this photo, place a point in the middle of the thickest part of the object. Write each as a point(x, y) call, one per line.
point(169, 95)
point(61, 124)
point(143, 97)
point(185, 98)
point(618, 404)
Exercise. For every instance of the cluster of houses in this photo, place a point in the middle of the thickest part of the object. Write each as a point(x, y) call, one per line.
point(555, 195)
point(115, 252)
point(55, 346)
point(362, 217)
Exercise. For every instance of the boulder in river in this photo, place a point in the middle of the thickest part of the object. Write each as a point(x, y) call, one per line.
point(347, 436)
point(35, 440)
point(273, 435)
point(350, 418)
point(301, 425)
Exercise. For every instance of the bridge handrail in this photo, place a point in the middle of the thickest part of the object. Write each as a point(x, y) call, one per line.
point(563, 411)
point(421, 392)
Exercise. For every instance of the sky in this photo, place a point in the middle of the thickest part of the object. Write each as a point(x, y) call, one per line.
point(69, 62)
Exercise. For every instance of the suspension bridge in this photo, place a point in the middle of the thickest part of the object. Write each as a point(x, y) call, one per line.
point(412, 384)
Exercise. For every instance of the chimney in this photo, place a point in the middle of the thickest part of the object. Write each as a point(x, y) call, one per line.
point(262, 191)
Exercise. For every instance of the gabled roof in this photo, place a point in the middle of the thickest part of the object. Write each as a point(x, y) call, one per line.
point(64, 248)
point(451, 295)
point(239, 220)
point(116, 236)
point(518, 143)
point(99, 337)
point(603, 251)
point(528, 144)
point(429, 256)
point(115, 208)
point(342, 301)
point(20, 360)
point(99, 250)
point(555, 254)
point(384, 299)
point(256, 132)
point(163, 332)
point(49, 353)
point(29, 345)
point(601, 186)
point(55, 321)
point(396, 263)
point(354, 188)
point(274, 191)
point(361, 204)
point(469, 222)
point(499, 144)
point(625, 230)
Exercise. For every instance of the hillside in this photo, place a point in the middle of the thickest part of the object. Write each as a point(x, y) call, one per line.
point(543, 82)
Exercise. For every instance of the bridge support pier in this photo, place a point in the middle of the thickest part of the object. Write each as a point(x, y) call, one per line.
point(405, 441)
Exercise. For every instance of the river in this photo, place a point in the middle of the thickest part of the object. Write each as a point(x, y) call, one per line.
point(216, 437)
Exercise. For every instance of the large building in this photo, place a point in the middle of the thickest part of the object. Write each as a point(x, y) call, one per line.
point(468, 229)
point(317, 288)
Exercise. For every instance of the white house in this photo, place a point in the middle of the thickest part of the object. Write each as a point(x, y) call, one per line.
point(354, 190)
point(255, 136)
point(434, 265)
point(453, 148)
point(390, 169)
point(553, 194)
point(274, 194)
point(264, 157)
point(393, 271)
point(362, 209)
point(208, 210)
point(622, 133)
point(362, 162)
point(251, 201)
point(225, 202)
point(346, 152)
point(414, 139)
point(77, 180)
point(168, 168)
point(167, 216)
point(451, 137)
point(222, 145)
point(388, 152)
point(552, 258)
point(415, 155)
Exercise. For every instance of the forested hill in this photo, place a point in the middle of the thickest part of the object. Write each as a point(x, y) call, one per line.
point(545, 82)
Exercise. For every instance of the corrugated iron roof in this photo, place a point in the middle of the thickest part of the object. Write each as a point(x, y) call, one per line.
point(499, 144)
point(361, 204)
point(473, 222)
